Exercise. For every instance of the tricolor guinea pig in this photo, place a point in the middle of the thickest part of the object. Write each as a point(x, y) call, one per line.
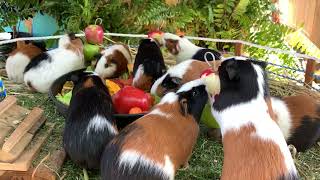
point(183, 49)
point(20, 57)
point(299, 119)
point(158, 144)
point(45, 68)
point(253, 144)
point(178, 75)
point(113, 61)
point(148, 65)
point(90, 124)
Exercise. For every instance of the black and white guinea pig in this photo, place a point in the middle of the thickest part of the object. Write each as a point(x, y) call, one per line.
point(113, 61)
point(148, 65)
point(159, 143)
point(178, 75)
point(299, 119)
point(90, 124)
point(183, 49)
point(20, 57)
point(253, 144)
point(45, 68)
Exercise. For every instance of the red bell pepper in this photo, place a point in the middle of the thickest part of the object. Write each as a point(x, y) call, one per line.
point(129, 97)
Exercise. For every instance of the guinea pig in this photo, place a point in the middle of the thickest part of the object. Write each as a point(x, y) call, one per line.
point(183, 49)
point(148, 65)
point(20, 57)
point(90, 124)
point(113, 61)
point(299, 119)
point(159, 143)
point(178, 75)
point(253, 144)
point(45, 68)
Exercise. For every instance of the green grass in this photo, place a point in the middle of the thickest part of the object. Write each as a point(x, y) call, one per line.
point(205, 163)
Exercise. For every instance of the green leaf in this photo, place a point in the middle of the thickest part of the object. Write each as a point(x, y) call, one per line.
point(221, 6)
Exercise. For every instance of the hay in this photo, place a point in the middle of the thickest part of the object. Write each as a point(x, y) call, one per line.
point(288, 88)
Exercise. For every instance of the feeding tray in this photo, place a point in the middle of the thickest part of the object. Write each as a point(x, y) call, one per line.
point(122, 120)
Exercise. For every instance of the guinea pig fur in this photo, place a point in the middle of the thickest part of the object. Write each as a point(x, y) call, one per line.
point(113, 61)
point(20, 57)
point(90, 124)
point(159, 143)
point(148, 65)
point(183, 49)
point(253, 144)
point(299, 120)
point(45, 68)
point(178, 75)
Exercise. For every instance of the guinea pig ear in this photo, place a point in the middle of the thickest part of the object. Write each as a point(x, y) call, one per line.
point(184, 106)
point(178, 46)
point(72, 36)
point(232, 69)
point(262, 64)
point(74, 78)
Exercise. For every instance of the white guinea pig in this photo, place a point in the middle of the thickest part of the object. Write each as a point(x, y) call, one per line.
point(45, 68)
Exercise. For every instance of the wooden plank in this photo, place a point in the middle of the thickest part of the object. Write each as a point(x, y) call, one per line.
point(55, 163)
point(7, 103)
point(315, 35)
point(24, 161)
point(22, 129)
point(23, 143)
point(17, 150)
point(37, 125)
point(310, 69)
point(27, 175)
point(56, 160)
point(4, 131)
point(13, 115)
point(9, 120)
point(238, 49)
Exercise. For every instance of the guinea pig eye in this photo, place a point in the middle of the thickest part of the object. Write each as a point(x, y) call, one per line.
point(106, 65)
point(194, 93)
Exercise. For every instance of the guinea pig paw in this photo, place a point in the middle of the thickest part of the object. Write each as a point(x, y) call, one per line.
point(185, 166)
point(293, 151)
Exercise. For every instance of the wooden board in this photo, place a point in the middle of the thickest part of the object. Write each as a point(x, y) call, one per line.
point(55, 163)
point(22, 129)
point(7, 103)
point(24, 161)
point(11, 156)
point(26, 139)
point(27, 175)
point(10, 119)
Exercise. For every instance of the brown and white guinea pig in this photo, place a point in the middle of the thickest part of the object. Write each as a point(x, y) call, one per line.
point(253, 144)
point(90, 124)
point(183, 49)
point(159, 143)
point(113, 61)
point(178, 75)
point(20, 57)
point(299, 119)
point(148, 65)
point(45, 68)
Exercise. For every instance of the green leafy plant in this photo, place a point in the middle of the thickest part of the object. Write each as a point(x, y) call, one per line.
point(248, 20)
point(73, 15)
point(11, 11)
